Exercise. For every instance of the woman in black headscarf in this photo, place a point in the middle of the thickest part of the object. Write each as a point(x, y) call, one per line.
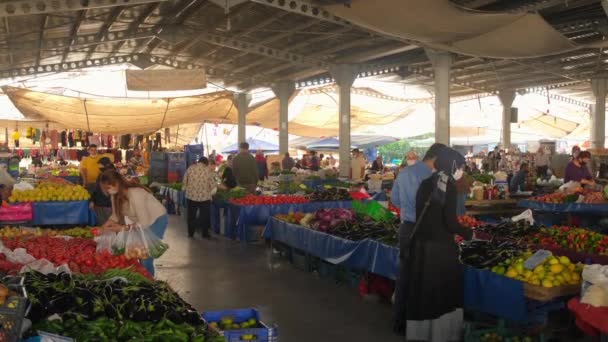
point(435, 288)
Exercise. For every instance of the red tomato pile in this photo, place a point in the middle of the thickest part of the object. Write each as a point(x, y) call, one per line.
point(78, 253)
point(269, 200)
point(468, 221)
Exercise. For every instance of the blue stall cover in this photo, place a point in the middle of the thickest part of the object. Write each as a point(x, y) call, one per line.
point(254, 145)
point(319, 184)
point(240, 217)
point(581, 208)
point(368, 255)
point(62, 213)
point(72, 179)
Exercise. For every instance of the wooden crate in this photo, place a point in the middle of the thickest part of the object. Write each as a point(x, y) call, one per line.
point(545, 294)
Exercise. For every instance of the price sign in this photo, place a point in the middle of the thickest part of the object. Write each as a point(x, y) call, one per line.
point(536, 259)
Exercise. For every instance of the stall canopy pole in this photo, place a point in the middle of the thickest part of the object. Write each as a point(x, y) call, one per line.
point(84, 103)
point(506, 98)
point(241, 101)
point(598, 112)
point(344, 75)
point(162, 123)
point(284, 91)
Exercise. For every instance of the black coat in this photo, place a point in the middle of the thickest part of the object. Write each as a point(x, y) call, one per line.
point(435, 284)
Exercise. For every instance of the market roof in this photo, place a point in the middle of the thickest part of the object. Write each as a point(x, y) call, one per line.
point(258, 42)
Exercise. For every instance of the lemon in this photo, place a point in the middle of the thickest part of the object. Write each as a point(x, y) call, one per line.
point(535, 282)
point(539, 269)
point(553, 261)
point(567, 276)
point(519, 267)
point(547, 283)
point(576, 277)
point(557, 283)
point(511, 273)
point(571, 267)
point(500, 270)
point(564, 260)
point(557, 268)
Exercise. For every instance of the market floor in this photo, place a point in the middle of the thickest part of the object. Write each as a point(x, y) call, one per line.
point(225, 274)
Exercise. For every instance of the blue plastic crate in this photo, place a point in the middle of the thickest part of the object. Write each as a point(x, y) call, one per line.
point(260, 334)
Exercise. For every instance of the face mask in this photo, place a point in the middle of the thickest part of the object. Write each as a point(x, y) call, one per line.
point(411, 162)
point(458, 174)
point(112, 191)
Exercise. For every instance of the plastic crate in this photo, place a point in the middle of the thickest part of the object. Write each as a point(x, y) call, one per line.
point(262, 333)
point(11, 318)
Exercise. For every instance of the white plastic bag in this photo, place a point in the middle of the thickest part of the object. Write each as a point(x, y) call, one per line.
point(596, 296)
point(23, 186)
point(596, 275)
point(105, 242)
point(526, 215)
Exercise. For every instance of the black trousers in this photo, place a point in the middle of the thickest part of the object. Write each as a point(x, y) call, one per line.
point(199, 217)
point(399, 307)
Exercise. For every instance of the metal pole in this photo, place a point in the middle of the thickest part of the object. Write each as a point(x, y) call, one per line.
point(506, 98)
point(345, 76)
point(442, 62)
point(284, 90)
point(598, 113)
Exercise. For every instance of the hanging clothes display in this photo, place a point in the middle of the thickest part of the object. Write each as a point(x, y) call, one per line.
point(63, 138)
point(29, 132)
point(167, 136)
point(71, 142)
point(94, 140)
point(110, 141)
point(15, 136)
point(37, 134)
point(157, 142)
point(78, 135)
point(43, 138)
point(124, 141)
point(54, 140)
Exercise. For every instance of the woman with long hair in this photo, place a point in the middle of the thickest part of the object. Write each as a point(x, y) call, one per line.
point(135, 202)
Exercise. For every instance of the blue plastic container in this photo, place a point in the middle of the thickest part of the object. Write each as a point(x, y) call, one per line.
point(262, 333)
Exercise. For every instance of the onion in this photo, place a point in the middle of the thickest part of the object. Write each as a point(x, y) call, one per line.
point(323, 227)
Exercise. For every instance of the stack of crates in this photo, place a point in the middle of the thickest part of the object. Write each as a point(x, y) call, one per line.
point(176, 167)
point(193, 153)
point(158, 167)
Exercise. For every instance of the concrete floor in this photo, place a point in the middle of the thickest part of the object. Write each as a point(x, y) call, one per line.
point(225, 274)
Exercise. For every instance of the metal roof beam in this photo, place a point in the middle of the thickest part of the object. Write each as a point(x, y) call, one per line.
point(87, 40)
point(134, 25)
point(73, 33)
point(105, 27)
point(43, 22)
point(248, 47)
point(304, 8)
point(67, 66)
point(31, 7)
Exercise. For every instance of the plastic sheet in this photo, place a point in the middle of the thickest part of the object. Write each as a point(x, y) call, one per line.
point(239, 218)
point(592, 320)
point(62, 213)
point(368, 255)
point(581, 208)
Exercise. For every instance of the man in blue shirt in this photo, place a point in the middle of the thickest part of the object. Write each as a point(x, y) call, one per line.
point(403, 196)
point(518, 182)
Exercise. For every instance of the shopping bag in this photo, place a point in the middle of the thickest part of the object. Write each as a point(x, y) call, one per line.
point(105, 242)
point(118, 245)
point(141, 243)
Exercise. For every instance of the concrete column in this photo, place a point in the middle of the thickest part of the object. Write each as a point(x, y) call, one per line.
point(344, 75)
point(506, 98)
point(598, 112)
point(442, 62)
point(241, 102)
point(284, 90)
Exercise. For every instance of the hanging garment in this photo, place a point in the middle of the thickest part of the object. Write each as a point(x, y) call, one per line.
point(94, 139)
point(43, 138)
point(64, 138)
point(110, 141)
point(139, 142)
point(71, 139)
point(124, 141)
point(78, 136)
point(37, 135)
point(29, 132)
point(54, 140)
point(167, 136)
point(157, 142)
point(102, 140)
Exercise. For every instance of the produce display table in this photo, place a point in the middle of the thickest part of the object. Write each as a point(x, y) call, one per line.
point(319, 184)
point(71, 179)
point(62, 213)
point(492, 207)
point(593, 321)
point(368, 255)
point(239, 218)
point(578, 208)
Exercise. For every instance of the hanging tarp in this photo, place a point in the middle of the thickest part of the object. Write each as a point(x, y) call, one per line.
point(442, 25)
point(166, 80)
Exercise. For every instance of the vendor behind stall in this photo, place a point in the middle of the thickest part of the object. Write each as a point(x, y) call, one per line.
point(577, 171)
point(101, 202)
point(518, 182)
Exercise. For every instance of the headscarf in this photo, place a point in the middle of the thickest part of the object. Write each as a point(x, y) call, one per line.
point(448, 160)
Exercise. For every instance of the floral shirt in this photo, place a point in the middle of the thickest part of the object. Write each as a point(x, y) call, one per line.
point(199, 183)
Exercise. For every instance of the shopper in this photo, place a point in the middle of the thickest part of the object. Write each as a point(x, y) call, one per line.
point(331, 160)
point(410, 159)
point(287, 163)
point(403, 196)
point(101, 202)
point(378, 165)
point(212, 156)
point(518, 182)
point(315, 164)
point(262, 165)
point(89, 168)
point(357, 166)
point(245, 169)
point(199, 185)
point(435, 288)
point(324, 161)
point(577, 170)
point(133, 201)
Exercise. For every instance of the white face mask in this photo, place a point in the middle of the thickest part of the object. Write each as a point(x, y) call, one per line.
point(458, 174)
point(112, 191)
point(411, 162)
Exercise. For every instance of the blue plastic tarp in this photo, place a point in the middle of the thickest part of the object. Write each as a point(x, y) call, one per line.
point(368, 255)
point(254, 145)
point(581, 208)
point(62, 213)
point(239, 218)
point(72, 179)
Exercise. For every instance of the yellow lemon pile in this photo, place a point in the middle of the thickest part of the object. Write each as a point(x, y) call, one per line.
point(49, 192)
point(554, 271)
